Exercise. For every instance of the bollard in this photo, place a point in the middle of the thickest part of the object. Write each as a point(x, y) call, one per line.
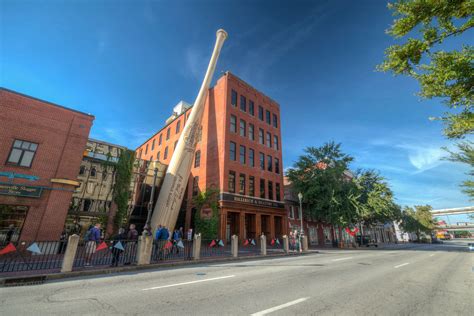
point(286, 246)
point(234, 246)
point(70, 254)
point(145, 246)
point(305, 243)
point(197, 247)
point(263, 245)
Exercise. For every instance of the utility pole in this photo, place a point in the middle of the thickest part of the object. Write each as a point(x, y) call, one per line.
point(300, 197)
point(152, 197)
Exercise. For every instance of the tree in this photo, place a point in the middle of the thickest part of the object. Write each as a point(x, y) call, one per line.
point(441, 74)
point(207, 226)
point(418, 220)
point(328, 193)
point(376, 201)
point(465, 155)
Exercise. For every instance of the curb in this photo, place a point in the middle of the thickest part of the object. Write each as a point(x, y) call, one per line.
point(33, 278)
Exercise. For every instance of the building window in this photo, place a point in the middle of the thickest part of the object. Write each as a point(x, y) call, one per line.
point(292, 212)
point(168, 133)
point(160, 139)
point(262, 188)
point(195, 186)
point(251, 108)
point(262, 161)
point(251, 157)
point(277, 165)
point(82, 170)
point(275, 142)
point(233, 124)
point(22, 153)
point(275, 121)
point(251, 132)
point(268, 116)
point(270, 163)
point(178, 126)
point(242, 184)
point(243, 103)
point(251, 186)
point(151, 157)
point(277, 191)
point(232, 151)
point(260, 113)
point(140, 154)
point(234, 98)
point(260, 136)
point(197, 159)
point(93, 172)
point(270, 190)
point(243, 128)
point(153, 145)
point(269, 140)
point(242, 154)
point(165, 155)
point(146, 149)
point(158, 156)
point(231, 187)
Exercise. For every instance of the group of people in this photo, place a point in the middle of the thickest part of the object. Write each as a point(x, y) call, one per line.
point(163, 236)
point(295, 240)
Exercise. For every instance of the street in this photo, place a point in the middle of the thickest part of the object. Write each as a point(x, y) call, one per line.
point(403, 280)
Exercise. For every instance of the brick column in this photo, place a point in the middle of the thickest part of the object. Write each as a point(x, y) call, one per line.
point(234, 246)
point(272, 226)
point(70, 254)
point(242, 225)
point(286, 246)
point(263, 245)
point(197, 247)
point(145, 246)
point(258, 225)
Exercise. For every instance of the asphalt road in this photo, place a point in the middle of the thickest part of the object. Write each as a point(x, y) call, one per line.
point(420, 280)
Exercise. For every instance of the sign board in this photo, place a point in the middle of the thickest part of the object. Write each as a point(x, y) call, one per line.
point(250, 200)
point(20, 190)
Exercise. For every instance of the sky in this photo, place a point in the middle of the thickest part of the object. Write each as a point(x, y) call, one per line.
point(129, 62)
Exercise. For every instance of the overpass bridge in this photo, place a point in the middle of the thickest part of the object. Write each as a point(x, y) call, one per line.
point(453, 211)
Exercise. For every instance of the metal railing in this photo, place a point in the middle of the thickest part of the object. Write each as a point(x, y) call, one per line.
point(28, 256)
point(249, 247)
point(169, 250)
point(89, 254)
point(275, 245)
point(215, 248)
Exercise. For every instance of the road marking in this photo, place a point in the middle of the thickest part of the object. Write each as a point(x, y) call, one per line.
point(270, 310)
point(191, 282)
point(340, 259)
point(432, 254)
point(401, 265)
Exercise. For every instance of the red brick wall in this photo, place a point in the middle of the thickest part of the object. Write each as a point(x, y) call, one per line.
point(61, 135)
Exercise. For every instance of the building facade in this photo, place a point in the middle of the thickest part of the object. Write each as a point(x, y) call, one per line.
point(41, 147)
point(239, 152)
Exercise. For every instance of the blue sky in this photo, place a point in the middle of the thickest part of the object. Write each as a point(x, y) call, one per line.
point(130, 62)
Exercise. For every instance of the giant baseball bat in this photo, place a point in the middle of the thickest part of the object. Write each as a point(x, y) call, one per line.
point(176, 178)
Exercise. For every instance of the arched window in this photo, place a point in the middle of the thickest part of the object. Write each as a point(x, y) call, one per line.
point(197, 159)
point(93, 172)
point(82, 170)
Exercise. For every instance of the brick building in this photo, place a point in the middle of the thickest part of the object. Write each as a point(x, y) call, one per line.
point(41, 147)
point(239, 152)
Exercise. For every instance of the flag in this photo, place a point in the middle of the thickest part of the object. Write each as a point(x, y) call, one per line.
point(212, 244)
point(9, 248)
point(253, 242)
point(102, 245)
point(272, 242)
point(277, 242)
point(168, 245)
point(119, 246)
point(246, 242)
point(221, 243)
point(352, 232)
point(34, 248)
point(180, 244)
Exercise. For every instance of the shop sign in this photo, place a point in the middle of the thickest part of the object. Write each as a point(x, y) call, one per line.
point(20, 190)
point(249, 200)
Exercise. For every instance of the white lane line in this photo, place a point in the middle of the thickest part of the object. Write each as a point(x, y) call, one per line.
point(270, 310)
point(340, 259)
point(401, 265)
point(432, 254)
point(191, 282)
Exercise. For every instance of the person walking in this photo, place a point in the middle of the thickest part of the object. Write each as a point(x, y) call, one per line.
point(116, 251)
point(164, 236)
point(10, 233)
point(177, 237)
point(92, 238)
point(132, 239)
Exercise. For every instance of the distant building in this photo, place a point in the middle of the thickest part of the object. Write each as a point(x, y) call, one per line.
point(239, 152)
point(41, 146)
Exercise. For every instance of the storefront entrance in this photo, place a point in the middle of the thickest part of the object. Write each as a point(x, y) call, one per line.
point(250, 225)
point(232, 226)
point(12, 218)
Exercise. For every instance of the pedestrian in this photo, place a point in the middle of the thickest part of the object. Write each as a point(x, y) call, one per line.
point(92, 238)
point(164, 237)
point(62, 242)
point(116, 252)
point(190, 234)
point(147, 230)
point(177, 237)
point(10, 233)
point(132, 238)
point(156, 242)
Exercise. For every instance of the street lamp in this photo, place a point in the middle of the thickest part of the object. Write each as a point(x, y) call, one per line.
point(300, 197)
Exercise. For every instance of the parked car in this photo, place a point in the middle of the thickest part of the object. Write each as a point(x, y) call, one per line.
point(470, 246)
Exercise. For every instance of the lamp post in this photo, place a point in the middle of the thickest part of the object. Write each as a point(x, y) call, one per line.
point(300, 197)
point(152, 197)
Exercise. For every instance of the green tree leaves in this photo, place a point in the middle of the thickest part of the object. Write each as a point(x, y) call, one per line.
point(418, 220)
point(441, 74)
point(465, 155)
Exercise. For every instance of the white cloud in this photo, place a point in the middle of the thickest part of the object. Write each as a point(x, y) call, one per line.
point(426, 158)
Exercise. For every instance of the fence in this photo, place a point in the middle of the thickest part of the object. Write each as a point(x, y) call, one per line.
point(76, 254)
